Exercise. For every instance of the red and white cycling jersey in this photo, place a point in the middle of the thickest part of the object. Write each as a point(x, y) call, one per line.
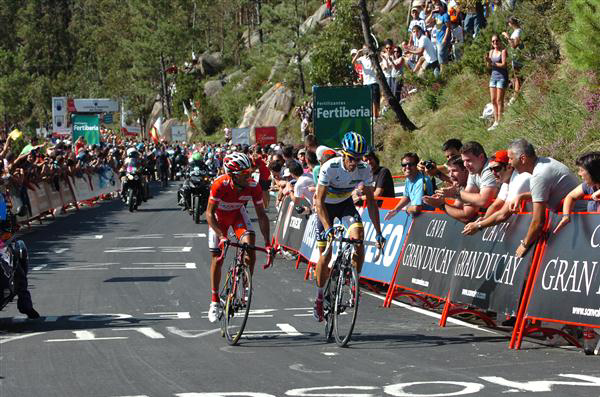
point(229, 198)
point(231, 211)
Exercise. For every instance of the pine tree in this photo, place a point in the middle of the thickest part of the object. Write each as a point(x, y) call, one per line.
point(583, 40)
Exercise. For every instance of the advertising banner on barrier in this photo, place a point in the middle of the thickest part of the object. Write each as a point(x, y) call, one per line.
point(394, 232)
point(338, 110)
point(430, 253)
point(280, 217)
point(291, 231)
point(486, 274)
point(308, 248)
point(567, 285)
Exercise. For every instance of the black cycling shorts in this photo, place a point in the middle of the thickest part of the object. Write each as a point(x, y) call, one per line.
point(339, 211)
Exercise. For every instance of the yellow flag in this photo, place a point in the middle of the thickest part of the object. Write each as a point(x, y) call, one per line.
point(15, 134)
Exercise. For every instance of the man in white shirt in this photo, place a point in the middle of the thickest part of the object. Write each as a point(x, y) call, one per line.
point(426, 51)
point(513, 184)
point(368, 74)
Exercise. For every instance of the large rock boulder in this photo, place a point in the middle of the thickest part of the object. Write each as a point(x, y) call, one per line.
point(271, 108)
point(157, 111)
point(312, 21)
point(249, 116)
point(213, 87)
point(206, 65)
point(233, 76)
point(254, 39)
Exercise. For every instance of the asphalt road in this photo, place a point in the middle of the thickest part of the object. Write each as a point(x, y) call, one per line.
point(124, 298)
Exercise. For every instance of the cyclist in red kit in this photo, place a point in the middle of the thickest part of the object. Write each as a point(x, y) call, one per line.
point(226, 210)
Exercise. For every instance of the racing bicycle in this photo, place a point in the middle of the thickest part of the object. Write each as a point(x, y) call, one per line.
point(236, 295)
point(342, 291)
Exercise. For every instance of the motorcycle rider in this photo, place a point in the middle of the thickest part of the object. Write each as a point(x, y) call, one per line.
point(184, 192)
point(132, 160)
point(162, 162)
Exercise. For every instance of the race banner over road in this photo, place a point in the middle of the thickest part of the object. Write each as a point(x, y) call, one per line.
point(337, 110)
point(88, 126)
point(567, 285)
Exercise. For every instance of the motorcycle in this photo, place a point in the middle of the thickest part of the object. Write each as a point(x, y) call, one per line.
point(133, 191)
point(199, 184)
point(14, 263)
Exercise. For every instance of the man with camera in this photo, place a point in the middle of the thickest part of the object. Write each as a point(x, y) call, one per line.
point(416, 187)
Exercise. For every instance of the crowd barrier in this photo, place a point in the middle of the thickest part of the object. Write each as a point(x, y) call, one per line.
point(427, 258)
point(45, 197)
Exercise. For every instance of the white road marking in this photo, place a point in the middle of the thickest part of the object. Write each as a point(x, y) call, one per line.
point(146, 331)
point(93, 237)
point(329, 353)
point(432, 314)
point(176, 249)
point(141, 237)
point(172, 315)
point(288, 329)
point(298, 308)
point(90, 266)
point(189, 235)
point(191, 333)
point(300, 368)
point(303, 315)
point(162, 266)
point(85, 336)
point(133, 250)
point(40, 267)
point(285, 329)
point(6, 339)
point(61, 250)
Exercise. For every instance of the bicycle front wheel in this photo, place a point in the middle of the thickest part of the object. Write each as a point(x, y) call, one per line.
point(346, 305)
point(237, 305)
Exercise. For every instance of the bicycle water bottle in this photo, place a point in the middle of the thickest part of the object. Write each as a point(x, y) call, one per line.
point(588, 341)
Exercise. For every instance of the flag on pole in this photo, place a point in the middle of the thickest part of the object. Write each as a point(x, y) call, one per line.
point(155, 131)
point(189, 116)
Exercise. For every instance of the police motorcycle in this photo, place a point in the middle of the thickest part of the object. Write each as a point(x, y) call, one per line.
point(14, 259)
point(193, 194)
point(178, 165)
point(132, 179)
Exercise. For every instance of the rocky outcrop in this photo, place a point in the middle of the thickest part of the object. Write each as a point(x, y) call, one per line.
point(213, 87)
point(271, 108)
point(312, 21)
point(205, 65)
point(157, 111)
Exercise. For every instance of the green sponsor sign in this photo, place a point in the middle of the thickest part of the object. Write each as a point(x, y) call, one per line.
point(337, 110)
point(88, 126)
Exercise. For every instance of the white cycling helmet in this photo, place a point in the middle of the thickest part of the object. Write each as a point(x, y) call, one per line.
point(236, 162)
point(131, 152)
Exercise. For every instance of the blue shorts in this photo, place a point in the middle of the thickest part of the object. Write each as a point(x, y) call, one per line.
point(498, 82)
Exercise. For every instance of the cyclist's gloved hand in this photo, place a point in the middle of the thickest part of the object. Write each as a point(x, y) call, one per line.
point(327, 234)
point(222, 242)
point(380, 240)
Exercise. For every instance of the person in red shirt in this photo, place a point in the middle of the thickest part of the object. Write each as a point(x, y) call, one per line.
point(80, 144)
point(264, 179)
point(226, 210)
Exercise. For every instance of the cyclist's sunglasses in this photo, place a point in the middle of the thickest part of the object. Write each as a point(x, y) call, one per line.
point(354, 159)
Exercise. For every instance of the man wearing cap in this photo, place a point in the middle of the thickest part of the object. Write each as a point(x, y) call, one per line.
point(513, 184)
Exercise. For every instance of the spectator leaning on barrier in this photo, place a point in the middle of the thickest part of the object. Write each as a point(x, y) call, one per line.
point(417, 186)
point(589, 171)
point(310, 143)
point(323, 155)
point(550, 182)
point(459, 176)
point(513, 184)
point(304, 188)
point(450, 148)
point(482, 187)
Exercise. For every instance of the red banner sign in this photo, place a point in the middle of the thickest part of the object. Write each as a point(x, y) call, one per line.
point(265, 135)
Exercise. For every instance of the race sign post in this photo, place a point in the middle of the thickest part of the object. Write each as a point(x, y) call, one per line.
point(88, 126)
point(240, 136)
point(337, 110)
point(265, 135)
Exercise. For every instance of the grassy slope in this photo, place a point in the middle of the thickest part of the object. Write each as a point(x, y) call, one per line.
point(551, 114)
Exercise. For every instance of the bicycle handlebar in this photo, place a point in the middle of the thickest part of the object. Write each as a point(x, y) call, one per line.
point(340, 230)
point(245, 246)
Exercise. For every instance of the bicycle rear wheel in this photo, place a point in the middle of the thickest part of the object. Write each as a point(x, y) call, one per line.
point(237, 305)
point(346, 305)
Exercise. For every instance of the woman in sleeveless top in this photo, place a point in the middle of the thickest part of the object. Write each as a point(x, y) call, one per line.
point(496, 59)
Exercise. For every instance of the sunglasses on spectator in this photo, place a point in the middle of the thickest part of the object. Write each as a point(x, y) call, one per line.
point(497, 168)
point(408, 164)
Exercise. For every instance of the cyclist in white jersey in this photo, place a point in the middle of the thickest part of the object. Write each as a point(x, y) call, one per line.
point(338, 177)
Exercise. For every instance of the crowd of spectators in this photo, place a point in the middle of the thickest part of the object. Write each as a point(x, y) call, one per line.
point(437, 32)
